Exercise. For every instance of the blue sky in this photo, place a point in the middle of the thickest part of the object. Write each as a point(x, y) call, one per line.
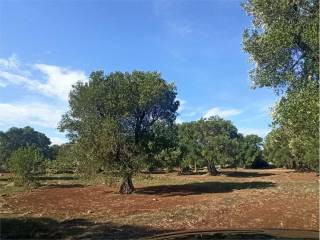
point(46, 46)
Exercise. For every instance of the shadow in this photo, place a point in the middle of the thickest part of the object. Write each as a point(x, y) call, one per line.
point(156, 172)
point(4, 179)
point(63, 186)
point(191, 173)
point(201, 188)
point(57, 178)
point(47, 228)
point(246, 174)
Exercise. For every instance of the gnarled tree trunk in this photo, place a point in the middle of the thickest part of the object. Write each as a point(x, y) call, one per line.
point(212, 169)
point(126, 186)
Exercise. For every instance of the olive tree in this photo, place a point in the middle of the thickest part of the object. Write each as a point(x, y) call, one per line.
point(111, 119)
point(16, 138)
point(217, 138)
point(25, 163)
point(189, 145)
point(283, 42)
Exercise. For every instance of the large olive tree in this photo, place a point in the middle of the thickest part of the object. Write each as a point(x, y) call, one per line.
point(283, 42)
point(111, 119)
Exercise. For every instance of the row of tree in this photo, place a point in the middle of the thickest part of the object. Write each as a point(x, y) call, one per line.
point(198, 144)
point(121, 123)
point(284, 45)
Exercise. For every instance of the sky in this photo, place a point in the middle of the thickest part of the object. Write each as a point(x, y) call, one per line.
point(46, 46)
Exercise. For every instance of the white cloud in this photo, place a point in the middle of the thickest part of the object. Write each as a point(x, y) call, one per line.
point(257, 131)
point(7, 78)
point(188, 111)
point(10, 63)
point(178, 120)
point(35, 114)
point(57, 81)
point(58, 140)
point(221, 113)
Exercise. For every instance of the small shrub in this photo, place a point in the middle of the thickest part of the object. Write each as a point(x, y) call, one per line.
point(64, 162)
point(59, 166)
point(25, 163)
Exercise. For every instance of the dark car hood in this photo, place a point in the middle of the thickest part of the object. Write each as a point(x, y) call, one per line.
point(241, 234)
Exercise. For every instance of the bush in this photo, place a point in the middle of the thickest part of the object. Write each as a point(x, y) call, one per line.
point(25, 163)
point(58, 166)
point(65, 161)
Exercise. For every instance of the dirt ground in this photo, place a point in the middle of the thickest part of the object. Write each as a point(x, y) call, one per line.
point(236, 199)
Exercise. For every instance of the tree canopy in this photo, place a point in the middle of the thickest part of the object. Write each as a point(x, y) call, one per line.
point(111, 118)
point(211, 141)
point(284, 45)
point(16, 138)
point(283, 42)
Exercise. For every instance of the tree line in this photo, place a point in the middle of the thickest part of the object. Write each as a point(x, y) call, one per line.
point(283, 42)
point(121, 123)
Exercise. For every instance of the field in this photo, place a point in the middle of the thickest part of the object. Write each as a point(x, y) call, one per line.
point(64, 207)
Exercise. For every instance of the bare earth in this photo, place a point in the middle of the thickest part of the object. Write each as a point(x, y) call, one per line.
point(237, 199)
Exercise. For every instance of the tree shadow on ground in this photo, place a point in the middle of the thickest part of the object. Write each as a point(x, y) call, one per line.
point(47, 228)
point(201, 188)
point(63, 185)
point(191, 173)
point(246, 174)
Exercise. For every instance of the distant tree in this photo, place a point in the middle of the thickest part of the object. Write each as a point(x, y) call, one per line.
point(217, 138)
point(65, 160)
point(240, 151)
point(54, 151)
point(208, 142)
point(252, 146)
point(276, 149)
point(190, 146)
point(111, 119)
point(16, 138)
point(25, 163)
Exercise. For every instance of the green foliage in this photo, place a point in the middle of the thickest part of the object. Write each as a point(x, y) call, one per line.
point(297, 117)
point(249, 150)
point(25, 163)
point(16, 138)
point(111, 119)
point(170, 158)
point(53, 151)
point(161, 146)
point(65, 161)
point(276, 149)
point(284, 44)
point(208, 141)
point(217, 138)
point(189, 145)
